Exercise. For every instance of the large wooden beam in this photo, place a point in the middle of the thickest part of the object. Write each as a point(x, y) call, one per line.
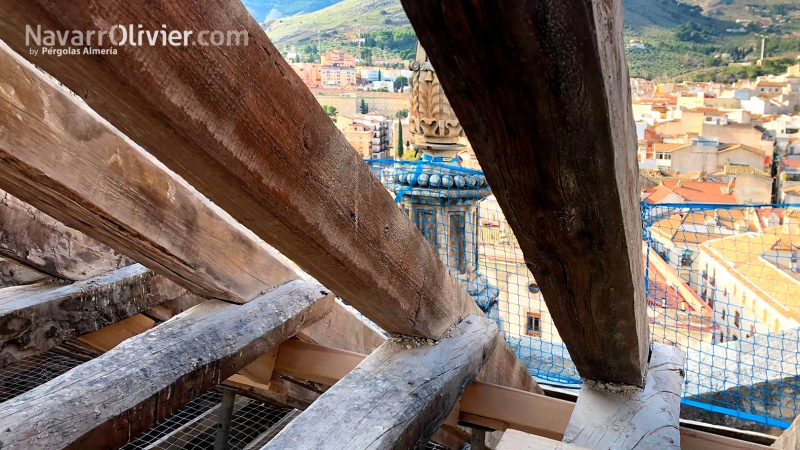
point(105, 402)
point(61, 158)
point(517, 409)
point(265, 152)
point(624, 418)
point(13, 273)
point(36, 318)
point(559, 149)
point(397, 397)
point(36, 240)
point(790, 438)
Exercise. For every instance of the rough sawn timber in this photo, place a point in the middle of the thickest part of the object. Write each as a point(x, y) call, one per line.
point(625, 418)
point(103, 403)
point(36, 240)
point(790, 438)
point(60, 157)
point(559, 150)
point(264, 151)
point(33, 321)
point(397, 397)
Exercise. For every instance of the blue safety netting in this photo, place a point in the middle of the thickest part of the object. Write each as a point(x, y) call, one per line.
point(722, 282)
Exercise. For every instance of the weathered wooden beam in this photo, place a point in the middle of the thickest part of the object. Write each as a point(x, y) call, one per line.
point(265, 152)
point(64, 160)
point(36, 318)
point(105, 402)
point(398, 396)
point(13, 273)
point(517, 409)
point(560, 150)
point(626, 418)
point(283, 169)
point(35, 239)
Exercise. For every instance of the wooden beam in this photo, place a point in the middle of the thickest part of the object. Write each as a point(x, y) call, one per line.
point(520, 410)
point(625, 418)
point(13, 273)
point(572, 202)
point(261, 392)
point(36, 318)
point(105, 402)
point(342, 329)
point(315, 363)
point(265, 152)
point(35, 239)
point(398, 396)
point(69, 163)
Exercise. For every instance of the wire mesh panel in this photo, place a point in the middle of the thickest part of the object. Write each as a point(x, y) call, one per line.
point(32, 372)
point(723, 283)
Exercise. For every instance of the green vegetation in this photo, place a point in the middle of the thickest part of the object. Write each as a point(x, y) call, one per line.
point(683, 39)
point(363, 108)
point(329, 110)
point(400, 83)
point(399, 136)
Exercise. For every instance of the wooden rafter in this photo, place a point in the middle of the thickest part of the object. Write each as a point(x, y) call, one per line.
point(105, 402)
point(36, 318)
point(265, 152)
point(77, 181)
point(559, 149)
point(397, 397)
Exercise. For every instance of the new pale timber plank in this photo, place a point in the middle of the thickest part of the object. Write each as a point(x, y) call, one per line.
point(36, 318)
point(265, 152)
point(35, 239)
point(789, 439)
point(559, 149)
point(343, 330)
point(103, 403)
point(397, 397)
point(517, 440)
point(625, 418)
point(61, 158)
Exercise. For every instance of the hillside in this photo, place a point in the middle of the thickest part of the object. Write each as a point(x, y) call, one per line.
point(274, 9)
point(341, 18)
point(681, 38)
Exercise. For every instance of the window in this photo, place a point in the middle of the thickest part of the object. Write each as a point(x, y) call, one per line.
point(534, 325)
point(736, 319)
point(533, 288)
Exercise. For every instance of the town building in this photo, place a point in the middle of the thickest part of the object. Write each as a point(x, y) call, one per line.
point(369, 134)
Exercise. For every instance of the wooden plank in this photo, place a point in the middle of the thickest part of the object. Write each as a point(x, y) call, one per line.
point(520, 410)
point(625, 418)
point(265, 152)
point(97, 181)
point(33, 322)
point(789, 439)
point(315, 363)
point(14, 274)
point(35, 239)
point(343, 330)
point(571, 201)
point(261, 392)
point(517, 440)
point(261, 369)
point(103, 403)
point(398, 396)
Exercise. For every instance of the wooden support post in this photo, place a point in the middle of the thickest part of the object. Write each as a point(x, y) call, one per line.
point(37, 240)
point(36, 318)
point(103, 403)
point(397, 397)
point(625, 418)
point(571, 201)
point(77, 180)
point(265, 152)
point(478, 441)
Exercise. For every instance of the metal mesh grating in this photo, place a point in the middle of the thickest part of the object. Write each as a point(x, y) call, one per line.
point(32, 372)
